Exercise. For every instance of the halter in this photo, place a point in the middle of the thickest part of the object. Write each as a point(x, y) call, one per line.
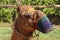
point(35, 25)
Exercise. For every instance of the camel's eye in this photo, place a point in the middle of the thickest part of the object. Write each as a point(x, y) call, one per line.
point(27, 16)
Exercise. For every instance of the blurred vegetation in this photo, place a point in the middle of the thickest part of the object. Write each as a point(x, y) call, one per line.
point(7, 14)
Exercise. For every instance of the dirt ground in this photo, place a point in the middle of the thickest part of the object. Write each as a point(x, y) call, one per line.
point(6, 24)
point(56, 27)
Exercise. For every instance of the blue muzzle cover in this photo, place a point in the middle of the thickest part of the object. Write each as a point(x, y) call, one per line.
point(44, 24)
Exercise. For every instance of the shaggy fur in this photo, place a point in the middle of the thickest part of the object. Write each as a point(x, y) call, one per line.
point(24, 23)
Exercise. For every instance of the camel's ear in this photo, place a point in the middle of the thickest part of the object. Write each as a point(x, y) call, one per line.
point(19, 9)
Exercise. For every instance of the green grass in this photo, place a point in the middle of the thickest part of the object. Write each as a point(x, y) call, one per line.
point(6, 32)
point(53, 35)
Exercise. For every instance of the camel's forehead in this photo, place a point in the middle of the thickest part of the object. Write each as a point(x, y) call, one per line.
point(27, 9)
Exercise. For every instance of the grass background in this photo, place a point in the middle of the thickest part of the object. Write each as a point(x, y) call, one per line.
point(6, 33)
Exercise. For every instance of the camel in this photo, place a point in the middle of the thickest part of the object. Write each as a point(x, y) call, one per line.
point(27, 22)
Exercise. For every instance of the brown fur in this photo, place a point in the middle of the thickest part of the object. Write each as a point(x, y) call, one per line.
point(25, 23)
point(21, 24)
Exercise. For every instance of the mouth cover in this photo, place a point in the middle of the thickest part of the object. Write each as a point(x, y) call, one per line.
point(44, 25)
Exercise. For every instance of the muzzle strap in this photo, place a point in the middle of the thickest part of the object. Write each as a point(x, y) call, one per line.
point(35, 16)
point(35, 23)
